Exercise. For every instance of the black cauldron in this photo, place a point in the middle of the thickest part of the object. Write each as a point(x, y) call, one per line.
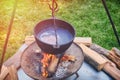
point(44, 33)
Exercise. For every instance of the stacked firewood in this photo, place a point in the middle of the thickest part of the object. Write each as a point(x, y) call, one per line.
point(103, 59)
point(113, 54)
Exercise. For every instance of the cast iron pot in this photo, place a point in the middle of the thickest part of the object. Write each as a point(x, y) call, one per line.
point(49, 23)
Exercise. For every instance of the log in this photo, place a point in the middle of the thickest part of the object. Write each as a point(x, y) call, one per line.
point(15, 59)
point(29, 39)
point(116, 59)
point(109, 54)
point(13, 73)
point(53, 65)
point(4, 72)
point(8, 73)
point(116, 51)
point(54, 62)
point(93, 57)
point(99, 49)
point(112, 70)
point(84, 40)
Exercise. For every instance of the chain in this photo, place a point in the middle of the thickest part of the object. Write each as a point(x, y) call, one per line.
point(54, 7)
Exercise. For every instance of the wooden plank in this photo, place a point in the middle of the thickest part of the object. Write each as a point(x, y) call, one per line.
point(8, 73)
point(29, 40)
point(15, 59)
point(112, 70)
point(116, 51)
point(84, 40)
point(13, 73)
point(93, 57)
point(113, 57)
point(99, 49)
point(4, 72)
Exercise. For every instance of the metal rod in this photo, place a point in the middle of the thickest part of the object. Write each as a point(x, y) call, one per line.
point(111, 21)
point(54, 8)
point(8, 35)
point(56, 46)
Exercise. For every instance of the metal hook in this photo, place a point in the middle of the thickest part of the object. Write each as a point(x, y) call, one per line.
point(54, 7)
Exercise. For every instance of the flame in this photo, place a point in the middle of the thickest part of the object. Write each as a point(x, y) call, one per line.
point(47, 58)
point(45, 63)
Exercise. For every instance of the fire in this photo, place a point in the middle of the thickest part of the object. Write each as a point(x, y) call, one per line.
point(45, 63)
point(48, 59)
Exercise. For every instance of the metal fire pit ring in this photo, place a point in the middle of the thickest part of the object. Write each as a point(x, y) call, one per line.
point(31, 65)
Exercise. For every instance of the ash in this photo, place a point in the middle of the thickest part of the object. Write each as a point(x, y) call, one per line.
point(62, 69)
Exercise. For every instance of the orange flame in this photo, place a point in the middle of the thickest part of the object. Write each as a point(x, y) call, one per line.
point(47, 58)
point(45, 63)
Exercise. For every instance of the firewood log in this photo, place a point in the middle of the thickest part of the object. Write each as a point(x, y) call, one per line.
point(109, 54)
point(53, 65)
point(116, 51)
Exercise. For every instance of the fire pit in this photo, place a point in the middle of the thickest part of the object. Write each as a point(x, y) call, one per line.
point(53, 56)
point(32, 65)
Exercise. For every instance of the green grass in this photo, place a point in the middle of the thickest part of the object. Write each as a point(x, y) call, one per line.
point(87, 16)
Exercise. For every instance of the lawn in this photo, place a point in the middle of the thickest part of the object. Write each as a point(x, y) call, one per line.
point(87, 16)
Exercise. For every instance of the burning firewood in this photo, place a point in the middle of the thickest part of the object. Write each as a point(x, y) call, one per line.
point(50, 63)
point(45, 64)
point(68, 58)
point(53, 64)
point(55, 60)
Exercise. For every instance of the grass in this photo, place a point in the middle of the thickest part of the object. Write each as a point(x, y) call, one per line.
point(87, 16)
